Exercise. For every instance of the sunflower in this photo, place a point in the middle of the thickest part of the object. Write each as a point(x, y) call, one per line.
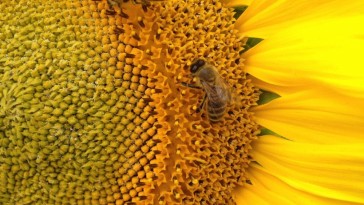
point(310, 58)
point(94, 105)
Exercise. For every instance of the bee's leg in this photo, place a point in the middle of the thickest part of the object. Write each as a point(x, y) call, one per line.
point(191, 85)
point(202, 105)
point(144, 2)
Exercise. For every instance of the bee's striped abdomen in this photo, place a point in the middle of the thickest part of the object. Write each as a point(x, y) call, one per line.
point(215, 108)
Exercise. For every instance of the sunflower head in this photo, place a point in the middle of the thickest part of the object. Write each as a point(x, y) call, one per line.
point(94, 109)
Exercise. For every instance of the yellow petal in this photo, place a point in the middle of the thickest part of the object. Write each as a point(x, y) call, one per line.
point(314, 116)
point(280, 90)
point(312, 55)
point(269, 189)
point(265, 17)
point(234, 3)
point(258, 193)
point(322, 174)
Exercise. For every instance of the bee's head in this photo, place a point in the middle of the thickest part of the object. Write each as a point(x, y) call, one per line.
point(196, 65)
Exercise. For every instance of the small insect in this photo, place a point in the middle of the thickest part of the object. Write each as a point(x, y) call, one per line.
point(144, 3)
point(217, 92)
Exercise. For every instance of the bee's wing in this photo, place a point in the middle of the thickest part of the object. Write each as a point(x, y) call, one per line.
point(217, 92)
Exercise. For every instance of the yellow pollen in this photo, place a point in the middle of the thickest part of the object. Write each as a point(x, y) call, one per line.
point(198, 127)
point(176, 182)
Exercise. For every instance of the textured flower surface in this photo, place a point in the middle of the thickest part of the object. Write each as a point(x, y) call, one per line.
point(94, 110)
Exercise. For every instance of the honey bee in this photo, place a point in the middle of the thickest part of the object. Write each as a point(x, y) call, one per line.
point(217, 92)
